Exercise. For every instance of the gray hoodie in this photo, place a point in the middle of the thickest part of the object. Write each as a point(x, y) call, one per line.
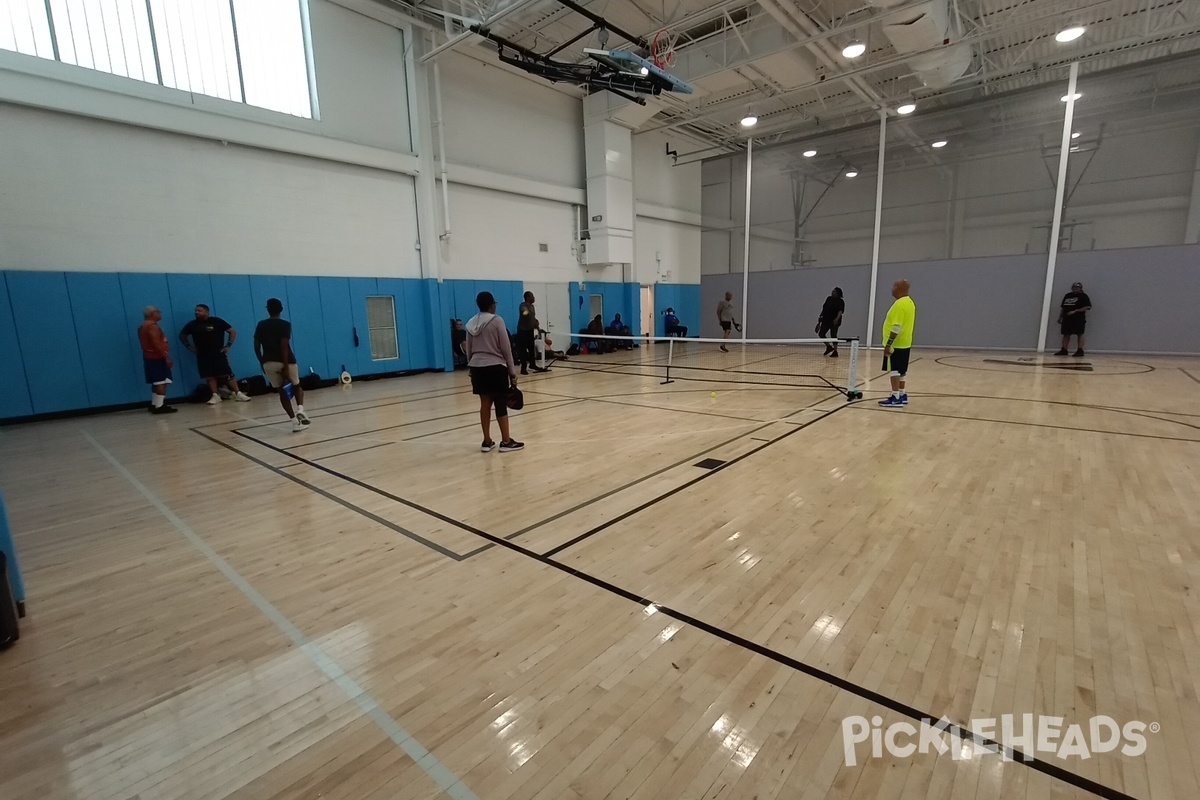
point(487, 342)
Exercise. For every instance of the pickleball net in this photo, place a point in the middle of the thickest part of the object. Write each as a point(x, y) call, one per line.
point(800, 363)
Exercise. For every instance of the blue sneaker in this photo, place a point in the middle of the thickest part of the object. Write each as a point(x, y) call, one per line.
point(904, 399)
point(891, 402)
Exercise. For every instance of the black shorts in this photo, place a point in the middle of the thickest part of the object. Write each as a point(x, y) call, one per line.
point(213, 365)
point(897, 361)
point(492, 382)
point(726, 326)
point(1073, 326)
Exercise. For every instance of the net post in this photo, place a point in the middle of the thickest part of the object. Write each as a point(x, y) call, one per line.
point(670, 355)
point(852, 392)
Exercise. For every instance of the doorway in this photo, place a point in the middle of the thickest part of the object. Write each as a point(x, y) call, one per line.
point(596, 306)
point(648, 312)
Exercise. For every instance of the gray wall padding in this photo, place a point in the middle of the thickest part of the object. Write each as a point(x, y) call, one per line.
point(1142, 298)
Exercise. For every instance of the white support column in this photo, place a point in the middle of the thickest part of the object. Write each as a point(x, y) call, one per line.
point(1059, 193)
point(746, 243)
point(878, 223)
point(1191, 232)
point(420, 116)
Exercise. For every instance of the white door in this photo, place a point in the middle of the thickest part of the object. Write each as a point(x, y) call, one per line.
point(553, 302)
point(648, 311)
point(596, 306)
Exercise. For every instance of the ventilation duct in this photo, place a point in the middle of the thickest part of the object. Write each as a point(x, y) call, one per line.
point(923, 27)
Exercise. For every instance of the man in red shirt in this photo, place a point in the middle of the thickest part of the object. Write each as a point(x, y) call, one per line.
point(156, 360)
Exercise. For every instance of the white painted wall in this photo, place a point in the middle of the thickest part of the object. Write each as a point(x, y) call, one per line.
point(79, 194)
point(498, 233)
point(1134, 193)
point(510, 125)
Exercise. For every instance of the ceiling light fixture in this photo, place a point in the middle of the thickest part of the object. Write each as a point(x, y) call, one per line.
point(645, 71)
point(1067, 97)
point(852, 174)
point(939, 143)
point(907, 108)
point(749, 121)
point(1075, 135)
point(809, 153)
point(854, 49)
point(1069, 34)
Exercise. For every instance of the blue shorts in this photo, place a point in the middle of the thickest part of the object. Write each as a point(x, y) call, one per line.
point(157, 371)
point(898, 362)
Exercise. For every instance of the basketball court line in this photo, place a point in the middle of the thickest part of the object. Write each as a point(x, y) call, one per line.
point(608, 401)
point(345, 453)
point(909, 410)
point(1190, 375)
point(963, 734)
point(416, 537)
point(649, 503)
point(474, 412)
point(548, 406)
point(1148, 368)
point(447, 781)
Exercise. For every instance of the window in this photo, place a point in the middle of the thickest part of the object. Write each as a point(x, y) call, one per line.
point(247, 51)
point(381, 324)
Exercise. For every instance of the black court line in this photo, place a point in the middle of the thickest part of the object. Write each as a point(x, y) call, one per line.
point(609, 401)
point(909, 410)
point(960, 732)
point(656, 473)
point(956, 731)
point(368, 405)
point(687, 485)
point(473, 412)
point(356, 450)
point(1147, 368)
point(347, 504)
point(548, 406)
point(1190, 375)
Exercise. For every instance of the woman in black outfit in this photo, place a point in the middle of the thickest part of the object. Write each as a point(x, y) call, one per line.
point(830, 320)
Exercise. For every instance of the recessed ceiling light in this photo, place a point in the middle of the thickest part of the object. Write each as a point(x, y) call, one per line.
point(749, 121)
point(852, 174)
point(854, 50)
point(940, 143)
point(1067, 97)
point(907, 108)
point(1069, 34)
point(809, 153)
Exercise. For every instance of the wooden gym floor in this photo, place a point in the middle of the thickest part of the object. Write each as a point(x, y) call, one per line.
point(374, 609)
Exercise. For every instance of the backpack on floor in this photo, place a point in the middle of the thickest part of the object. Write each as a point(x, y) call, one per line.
point(254, 385)
point(9, 631)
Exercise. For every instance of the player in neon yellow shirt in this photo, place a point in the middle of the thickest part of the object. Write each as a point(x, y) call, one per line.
point(897, 343)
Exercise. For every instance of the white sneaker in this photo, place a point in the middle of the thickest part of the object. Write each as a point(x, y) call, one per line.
point(297, 425)
point(242, 397)
point(214, 400)
point(302, 418)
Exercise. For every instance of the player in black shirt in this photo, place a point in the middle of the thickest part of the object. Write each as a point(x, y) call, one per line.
point(273, 346)
point(1073, 318)
point(830, 320)
point(207, 335)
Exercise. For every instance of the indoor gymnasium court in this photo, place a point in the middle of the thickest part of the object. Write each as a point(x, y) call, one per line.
point(857, 452)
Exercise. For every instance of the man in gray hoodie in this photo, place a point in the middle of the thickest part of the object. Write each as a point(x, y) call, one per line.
point(489, 355)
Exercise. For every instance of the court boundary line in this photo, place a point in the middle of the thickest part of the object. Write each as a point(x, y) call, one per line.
point(908, 410)
point(843, 684)
point(446, 780)
point(1190, 375)
point(395, 528)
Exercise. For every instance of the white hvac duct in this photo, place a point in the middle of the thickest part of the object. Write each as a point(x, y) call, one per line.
point(927, 26)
